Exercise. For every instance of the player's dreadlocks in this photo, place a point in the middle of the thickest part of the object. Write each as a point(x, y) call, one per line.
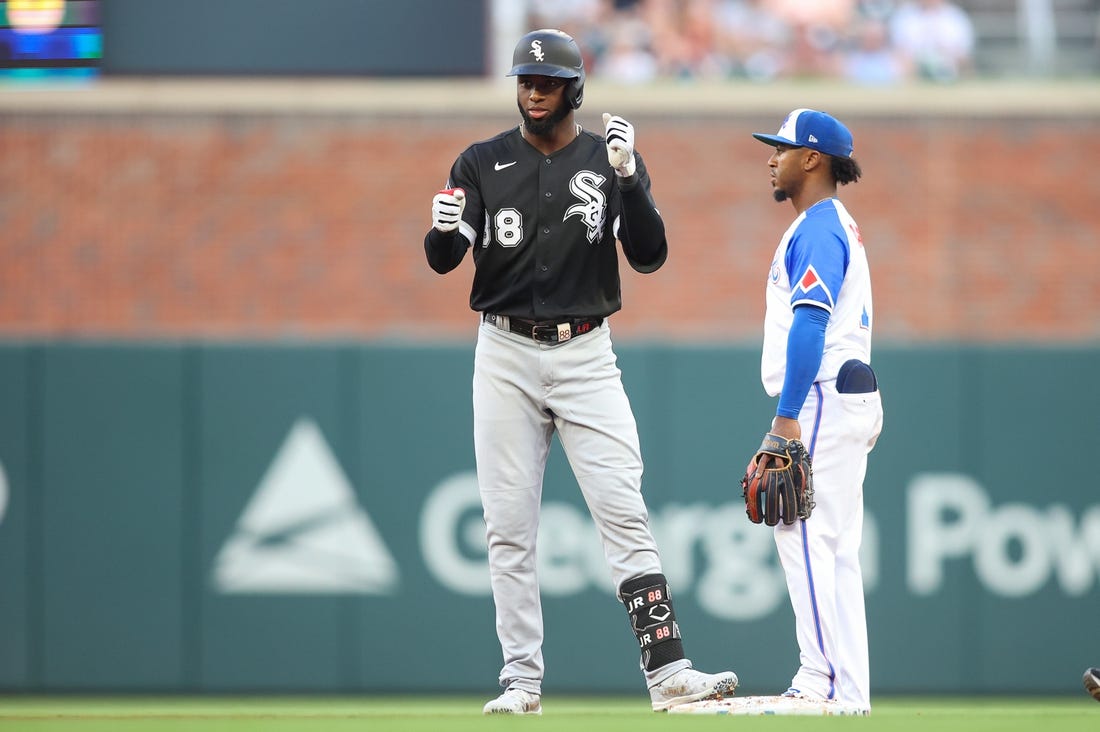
point(844, 170)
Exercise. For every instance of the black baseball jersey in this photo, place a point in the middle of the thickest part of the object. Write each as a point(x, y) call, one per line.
point(543, 227)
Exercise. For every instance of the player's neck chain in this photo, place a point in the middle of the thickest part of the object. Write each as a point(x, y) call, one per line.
point(523, 132)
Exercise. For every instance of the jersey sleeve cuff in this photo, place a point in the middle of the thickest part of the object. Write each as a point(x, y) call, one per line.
point(467, 231)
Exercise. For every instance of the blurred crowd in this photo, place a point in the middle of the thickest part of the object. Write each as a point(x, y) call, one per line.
point(873, 42)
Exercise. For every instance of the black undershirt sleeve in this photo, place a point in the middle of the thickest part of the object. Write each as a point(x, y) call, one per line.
point(641, 229)
point(445, 250)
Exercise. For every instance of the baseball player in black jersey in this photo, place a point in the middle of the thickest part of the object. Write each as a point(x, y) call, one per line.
point(542, 205)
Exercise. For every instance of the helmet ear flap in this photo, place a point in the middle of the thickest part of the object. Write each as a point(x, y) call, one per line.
point(574, 91)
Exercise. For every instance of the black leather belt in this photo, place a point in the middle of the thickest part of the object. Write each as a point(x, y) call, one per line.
point(544, 331)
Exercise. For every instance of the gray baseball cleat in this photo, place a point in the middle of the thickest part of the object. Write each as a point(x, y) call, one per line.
point(514, 701)
point(1092, 682)
point(688, 685)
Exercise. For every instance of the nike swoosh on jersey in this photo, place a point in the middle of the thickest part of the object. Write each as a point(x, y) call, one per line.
point(502, 166)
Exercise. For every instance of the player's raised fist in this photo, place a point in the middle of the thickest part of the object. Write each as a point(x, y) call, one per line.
point(619, 135)
point(447, 208)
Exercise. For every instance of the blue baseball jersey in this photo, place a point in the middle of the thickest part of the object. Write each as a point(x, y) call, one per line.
point(820, 261)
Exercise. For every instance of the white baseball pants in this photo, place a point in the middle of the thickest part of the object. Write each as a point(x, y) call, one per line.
point(820, 556)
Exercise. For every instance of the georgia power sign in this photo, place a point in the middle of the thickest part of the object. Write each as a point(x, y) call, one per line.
point(305, 532)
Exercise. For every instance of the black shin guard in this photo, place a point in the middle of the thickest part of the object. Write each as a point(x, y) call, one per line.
point(649, 604)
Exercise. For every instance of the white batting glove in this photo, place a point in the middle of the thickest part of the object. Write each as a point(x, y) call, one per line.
point(619, 135)
point(447, 209)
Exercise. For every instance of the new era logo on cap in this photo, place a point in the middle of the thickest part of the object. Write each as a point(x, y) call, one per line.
point(815, 130)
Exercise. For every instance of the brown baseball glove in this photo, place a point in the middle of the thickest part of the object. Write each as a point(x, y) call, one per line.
point(778, 485)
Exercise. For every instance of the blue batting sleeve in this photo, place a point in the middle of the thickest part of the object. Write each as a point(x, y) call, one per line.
point(805, 344)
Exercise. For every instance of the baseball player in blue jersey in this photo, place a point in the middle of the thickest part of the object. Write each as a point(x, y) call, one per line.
point(816, 359)
point(541, 206)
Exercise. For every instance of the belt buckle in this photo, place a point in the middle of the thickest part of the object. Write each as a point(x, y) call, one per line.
point(547, 333)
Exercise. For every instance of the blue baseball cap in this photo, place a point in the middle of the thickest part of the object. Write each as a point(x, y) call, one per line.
point(812, 129)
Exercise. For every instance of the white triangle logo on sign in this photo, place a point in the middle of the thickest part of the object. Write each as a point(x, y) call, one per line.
point(303, 531)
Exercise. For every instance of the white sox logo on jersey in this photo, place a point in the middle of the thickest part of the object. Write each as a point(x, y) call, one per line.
point(536, 50)
point(592, 210)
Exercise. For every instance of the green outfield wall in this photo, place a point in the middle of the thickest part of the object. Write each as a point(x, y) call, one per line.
point(195, 517)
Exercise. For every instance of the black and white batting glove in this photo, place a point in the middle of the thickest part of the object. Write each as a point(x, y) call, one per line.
point(447, 209)
point(619, 135)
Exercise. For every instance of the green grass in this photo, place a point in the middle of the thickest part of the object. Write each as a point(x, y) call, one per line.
point(560, 714)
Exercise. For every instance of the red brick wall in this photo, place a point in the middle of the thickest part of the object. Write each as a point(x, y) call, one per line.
point(310, 226)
